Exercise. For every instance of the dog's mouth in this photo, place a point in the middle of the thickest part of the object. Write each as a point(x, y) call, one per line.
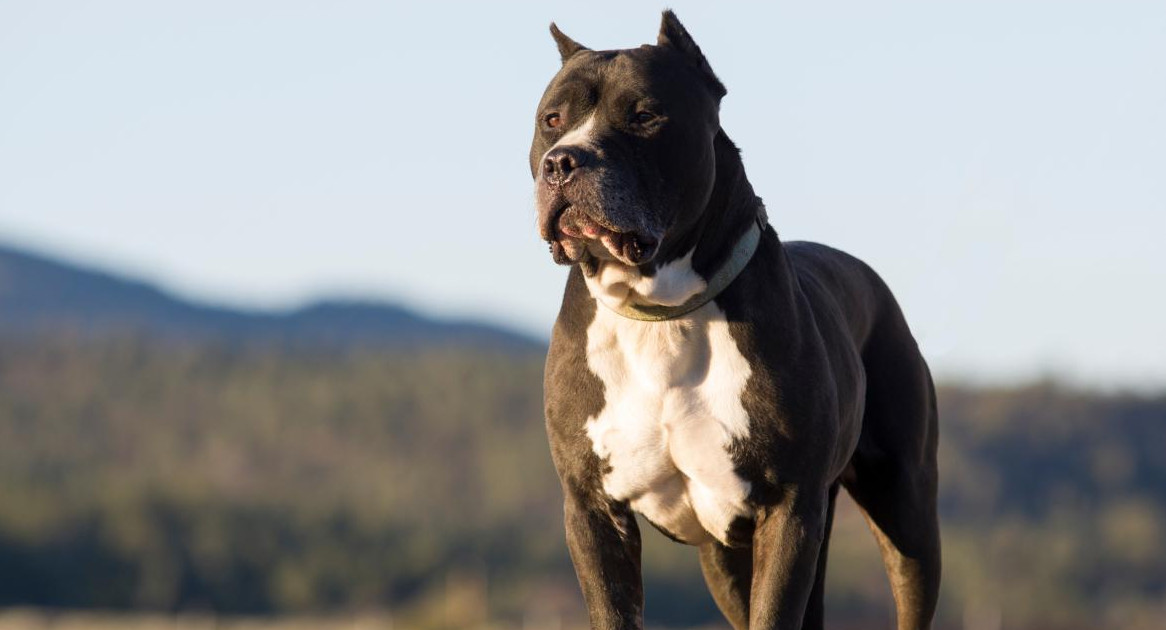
point(578, 237)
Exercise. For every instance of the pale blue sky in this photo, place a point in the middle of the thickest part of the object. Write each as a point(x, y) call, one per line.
point(1002, 164)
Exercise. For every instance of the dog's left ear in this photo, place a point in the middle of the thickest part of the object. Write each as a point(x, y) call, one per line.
point(674, 35)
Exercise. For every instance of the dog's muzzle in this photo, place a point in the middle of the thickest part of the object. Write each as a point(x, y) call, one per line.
point(576, 234)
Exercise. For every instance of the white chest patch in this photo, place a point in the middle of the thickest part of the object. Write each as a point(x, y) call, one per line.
point(672, 408)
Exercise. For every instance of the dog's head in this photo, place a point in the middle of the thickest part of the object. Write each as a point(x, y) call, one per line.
point(623, 155)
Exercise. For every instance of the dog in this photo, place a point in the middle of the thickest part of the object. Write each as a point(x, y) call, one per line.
point(704, 374)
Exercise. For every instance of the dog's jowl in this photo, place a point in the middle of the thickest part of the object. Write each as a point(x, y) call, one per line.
point(719, 382)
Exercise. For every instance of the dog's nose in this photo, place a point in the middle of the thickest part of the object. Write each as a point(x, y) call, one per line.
point(561, 162)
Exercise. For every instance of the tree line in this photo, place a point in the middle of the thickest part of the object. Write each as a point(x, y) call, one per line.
point(137, 474)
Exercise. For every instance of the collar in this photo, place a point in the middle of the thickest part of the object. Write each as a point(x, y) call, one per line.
point(742, 253)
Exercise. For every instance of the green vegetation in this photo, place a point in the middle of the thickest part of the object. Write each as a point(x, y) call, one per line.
point(141, 475)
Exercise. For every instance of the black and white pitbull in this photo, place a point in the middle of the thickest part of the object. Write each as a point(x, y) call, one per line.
point(704, 374)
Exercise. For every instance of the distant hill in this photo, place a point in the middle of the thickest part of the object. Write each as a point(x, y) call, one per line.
point(39, 295)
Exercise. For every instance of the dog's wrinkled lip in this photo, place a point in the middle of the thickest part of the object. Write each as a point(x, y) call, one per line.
point(549, 220)
point(578, 236)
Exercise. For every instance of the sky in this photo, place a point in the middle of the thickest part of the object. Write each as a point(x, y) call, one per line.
point(1001, 163)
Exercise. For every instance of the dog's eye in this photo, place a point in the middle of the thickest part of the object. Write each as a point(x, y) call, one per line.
point(553, 120)
point(643, 117)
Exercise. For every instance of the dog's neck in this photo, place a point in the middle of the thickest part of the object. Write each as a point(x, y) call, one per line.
point(687, 263)
point(731, 210)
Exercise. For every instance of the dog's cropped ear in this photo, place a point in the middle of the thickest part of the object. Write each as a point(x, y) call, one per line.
point(567, 46)
point(674, 35)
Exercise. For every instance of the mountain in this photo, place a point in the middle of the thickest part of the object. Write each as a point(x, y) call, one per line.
point(43, 296)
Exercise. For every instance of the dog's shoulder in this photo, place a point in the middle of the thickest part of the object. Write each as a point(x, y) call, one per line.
point(829, 274)
point(828, 264)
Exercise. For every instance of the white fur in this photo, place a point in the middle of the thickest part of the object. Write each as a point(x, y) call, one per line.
point(673, 284)
point(579, 136)
point(672, 406)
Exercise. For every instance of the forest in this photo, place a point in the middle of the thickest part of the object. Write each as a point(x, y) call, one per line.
point(147, 475)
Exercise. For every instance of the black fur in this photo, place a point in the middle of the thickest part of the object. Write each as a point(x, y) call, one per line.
point(567, 46)
point(839, 395)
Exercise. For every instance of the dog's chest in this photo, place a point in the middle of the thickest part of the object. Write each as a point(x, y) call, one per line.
point(672, 408)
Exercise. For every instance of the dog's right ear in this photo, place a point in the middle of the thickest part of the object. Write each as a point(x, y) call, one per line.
point(567, 46)
point(674, 35)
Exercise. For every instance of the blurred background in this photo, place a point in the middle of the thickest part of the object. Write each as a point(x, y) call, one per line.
point(273, 310)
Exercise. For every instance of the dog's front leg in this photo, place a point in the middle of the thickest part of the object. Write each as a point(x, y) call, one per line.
point(786, 543)
point(605, 546)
